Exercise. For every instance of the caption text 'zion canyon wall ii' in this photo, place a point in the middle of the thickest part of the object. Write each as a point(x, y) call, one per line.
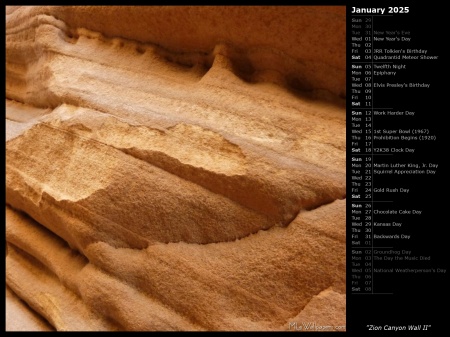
point(175, 168)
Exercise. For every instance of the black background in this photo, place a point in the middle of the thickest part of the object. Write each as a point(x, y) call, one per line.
point(416, 299)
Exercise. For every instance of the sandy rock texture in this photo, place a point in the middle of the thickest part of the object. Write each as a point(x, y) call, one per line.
point(175, 168)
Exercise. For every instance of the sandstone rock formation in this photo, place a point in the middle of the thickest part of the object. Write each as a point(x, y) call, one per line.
point(175, 168)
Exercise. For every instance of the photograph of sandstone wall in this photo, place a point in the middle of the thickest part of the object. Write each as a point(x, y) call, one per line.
point(175, 168)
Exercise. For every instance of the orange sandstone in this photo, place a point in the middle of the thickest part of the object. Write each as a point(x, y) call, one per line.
point(175, 168)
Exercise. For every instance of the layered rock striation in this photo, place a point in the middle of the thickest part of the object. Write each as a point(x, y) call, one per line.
point(175, 168)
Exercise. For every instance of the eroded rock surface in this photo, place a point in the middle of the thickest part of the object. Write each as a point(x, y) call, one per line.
point(176, 168)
